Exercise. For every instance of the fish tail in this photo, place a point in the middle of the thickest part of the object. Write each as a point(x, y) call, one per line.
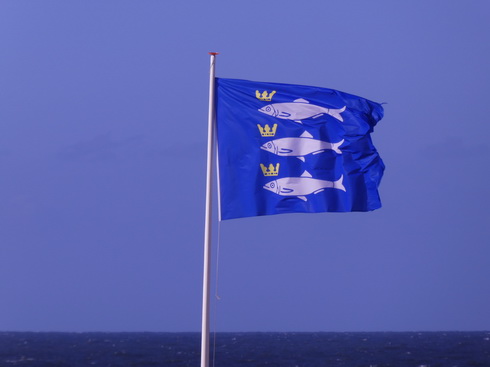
point(336, 113)
point(335, 146)
point(339, 184)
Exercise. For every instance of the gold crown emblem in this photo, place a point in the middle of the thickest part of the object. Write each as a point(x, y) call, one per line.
point(264, 96)
point(271, 170)
point(266, 130)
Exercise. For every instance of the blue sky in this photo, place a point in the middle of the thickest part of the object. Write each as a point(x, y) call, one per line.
point(103, 120)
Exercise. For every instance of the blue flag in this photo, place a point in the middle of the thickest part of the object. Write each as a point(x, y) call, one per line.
point(286, 148)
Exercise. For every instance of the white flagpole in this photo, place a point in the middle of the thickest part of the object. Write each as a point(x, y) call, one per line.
point(207, 224)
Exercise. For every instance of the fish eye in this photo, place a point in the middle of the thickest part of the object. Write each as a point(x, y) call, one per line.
point(272, 185)
point(268, 108)
point(269, 145)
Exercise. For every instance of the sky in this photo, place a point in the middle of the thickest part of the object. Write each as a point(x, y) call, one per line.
point(103, 129)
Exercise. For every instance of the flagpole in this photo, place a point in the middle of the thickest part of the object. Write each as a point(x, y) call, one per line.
point(207, 224)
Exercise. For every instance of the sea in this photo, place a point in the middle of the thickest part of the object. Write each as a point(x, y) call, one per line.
point(288, 349)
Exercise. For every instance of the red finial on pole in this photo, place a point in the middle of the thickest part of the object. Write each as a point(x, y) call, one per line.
point(213, 53)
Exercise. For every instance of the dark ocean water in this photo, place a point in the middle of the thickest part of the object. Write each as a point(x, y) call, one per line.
point(411, 349)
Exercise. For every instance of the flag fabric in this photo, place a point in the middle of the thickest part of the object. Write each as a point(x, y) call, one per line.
point(286, 148)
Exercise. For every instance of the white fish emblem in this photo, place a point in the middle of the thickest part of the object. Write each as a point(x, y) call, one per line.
point(299, 110)
point(302, 186)
point(300, 147)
